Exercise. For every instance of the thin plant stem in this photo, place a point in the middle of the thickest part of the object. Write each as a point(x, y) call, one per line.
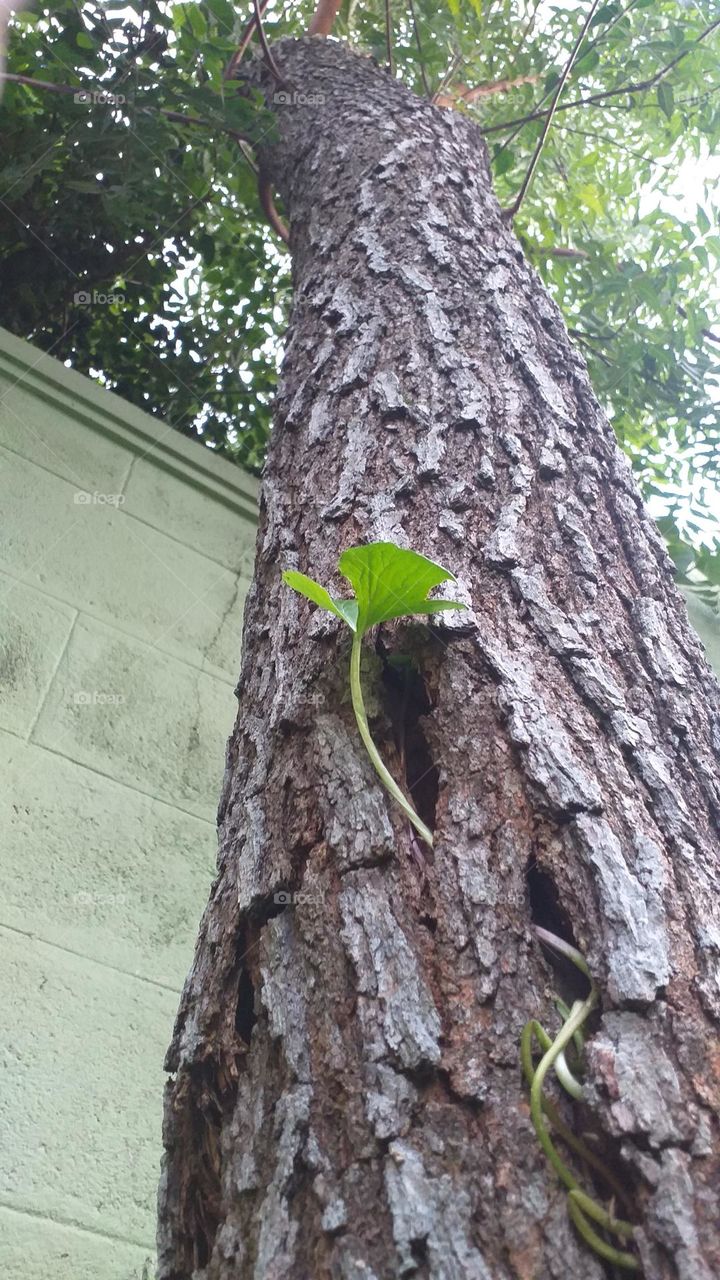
point(578, 1014)
point(514, 207)
point(580, 1205)
point(581, 1149)
point(267, 53)
point(388, 37)
point(362, 723)
point(421, 56)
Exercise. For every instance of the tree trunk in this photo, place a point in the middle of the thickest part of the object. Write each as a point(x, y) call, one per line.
point(346, 1098)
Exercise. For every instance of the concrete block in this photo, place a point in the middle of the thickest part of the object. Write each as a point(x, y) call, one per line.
point(33, 633)
point(44, 434)
point(95, 556)
point(38, 1249)
point(189, 514)
point(130, 712)
point(98, 869)
point(80, 1108)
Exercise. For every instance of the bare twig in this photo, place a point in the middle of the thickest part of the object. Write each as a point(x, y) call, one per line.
point(615, 142)
point(421, 56)
point(454, 64)
point(388, 38)
point(245, 39)
point(561, 252)
point(267, 53)
point(514, 207)
point(45, 85)
point(593, 98)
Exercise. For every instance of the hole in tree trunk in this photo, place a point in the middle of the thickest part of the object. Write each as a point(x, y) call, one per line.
point(245, 1008)
point(406, 702)
point(546, 909)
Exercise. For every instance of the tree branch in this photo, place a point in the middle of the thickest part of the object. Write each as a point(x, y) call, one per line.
point(514, 207)
point(463, 94)
point(268, 207)
point(323, 19)
point(594, 98)
point(561, 252)
point(177, 117)
point(245, 39)
point(45, 85)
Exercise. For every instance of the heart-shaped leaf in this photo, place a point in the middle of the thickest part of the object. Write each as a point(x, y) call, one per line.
point(391, 582)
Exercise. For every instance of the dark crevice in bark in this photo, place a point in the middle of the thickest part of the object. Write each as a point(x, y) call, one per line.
point(200, 1109)
point(548, 913)
point(407, 702)
point(245, 1016)
point(423, 776)
point(546, 910)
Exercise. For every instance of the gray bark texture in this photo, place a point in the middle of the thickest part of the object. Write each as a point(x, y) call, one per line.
point(345, 1097)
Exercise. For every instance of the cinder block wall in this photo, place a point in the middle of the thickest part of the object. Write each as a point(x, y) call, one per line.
point(125, 556)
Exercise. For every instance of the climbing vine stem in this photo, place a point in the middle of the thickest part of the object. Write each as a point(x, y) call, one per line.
point(390, 582)
point(362, 723)
point(581, 1207)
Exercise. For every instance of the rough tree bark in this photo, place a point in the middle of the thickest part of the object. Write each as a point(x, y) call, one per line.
point(346, 1099)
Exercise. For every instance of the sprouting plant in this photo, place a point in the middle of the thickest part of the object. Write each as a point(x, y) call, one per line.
point(581, 1206)
point(389, 582)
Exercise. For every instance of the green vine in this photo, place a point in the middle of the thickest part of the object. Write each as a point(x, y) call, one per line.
point(582, 1208)
point(389, 582)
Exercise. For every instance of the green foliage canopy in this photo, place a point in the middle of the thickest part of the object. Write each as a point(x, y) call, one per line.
point(146, 204)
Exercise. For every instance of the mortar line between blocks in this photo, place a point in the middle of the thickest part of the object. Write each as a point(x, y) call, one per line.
point(77, 1226)
point(82, 955)
point(51, 680)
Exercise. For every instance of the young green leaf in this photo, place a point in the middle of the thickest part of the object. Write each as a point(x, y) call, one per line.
point(346, 610)
point(391, 582)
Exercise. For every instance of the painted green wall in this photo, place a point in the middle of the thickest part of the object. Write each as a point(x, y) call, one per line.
point(125, 558)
